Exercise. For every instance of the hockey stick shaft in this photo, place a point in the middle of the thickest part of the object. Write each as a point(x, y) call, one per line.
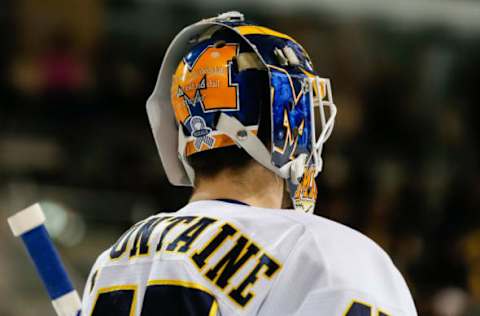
point(29, 226)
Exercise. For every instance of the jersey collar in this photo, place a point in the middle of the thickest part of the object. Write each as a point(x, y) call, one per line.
point(232, 201)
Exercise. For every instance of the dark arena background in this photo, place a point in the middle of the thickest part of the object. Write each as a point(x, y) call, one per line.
point(402, 165)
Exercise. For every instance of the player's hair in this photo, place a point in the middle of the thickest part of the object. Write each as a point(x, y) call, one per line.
point(210, 163)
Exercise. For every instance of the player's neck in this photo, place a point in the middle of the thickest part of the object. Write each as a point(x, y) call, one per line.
point(255, 186)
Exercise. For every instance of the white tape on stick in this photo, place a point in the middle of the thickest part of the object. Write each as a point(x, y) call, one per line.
point(26, 220)
point(67, 305)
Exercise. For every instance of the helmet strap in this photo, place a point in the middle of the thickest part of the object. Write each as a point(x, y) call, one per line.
point(234, 129)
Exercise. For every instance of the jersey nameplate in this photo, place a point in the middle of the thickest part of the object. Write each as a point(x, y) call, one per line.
point(177, 235)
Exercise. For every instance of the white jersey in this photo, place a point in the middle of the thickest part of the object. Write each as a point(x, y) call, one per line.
point(222, 258)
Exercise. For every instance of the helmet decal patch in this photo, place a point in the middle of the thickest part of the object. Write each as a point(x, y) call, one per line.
point(201, 133)
point(306, 191)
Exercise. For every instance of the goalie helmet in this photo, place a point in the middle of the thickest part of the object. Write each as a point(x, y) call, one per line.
point(208, 95)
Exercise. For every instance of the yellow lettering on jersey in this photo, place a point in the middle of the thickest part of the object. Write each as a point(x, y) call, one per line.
point(174, 221)
point(200, 257)
point(232, 262)
point(106, 290)
point(382, 313)
point(93, 279)
point(190, 285)
point(235, 255)
point(266, 264)
point(140, 245)
point(187, 237)
point(120, 247)
point(235, 259)
point(358, 307)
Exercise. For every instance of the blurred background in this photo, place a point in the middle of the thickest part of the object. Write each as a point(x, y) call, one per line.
point(402, 165)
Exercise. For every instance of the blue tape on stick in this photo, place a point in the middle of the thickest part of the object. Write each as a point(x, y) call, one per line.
point(47, 262)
